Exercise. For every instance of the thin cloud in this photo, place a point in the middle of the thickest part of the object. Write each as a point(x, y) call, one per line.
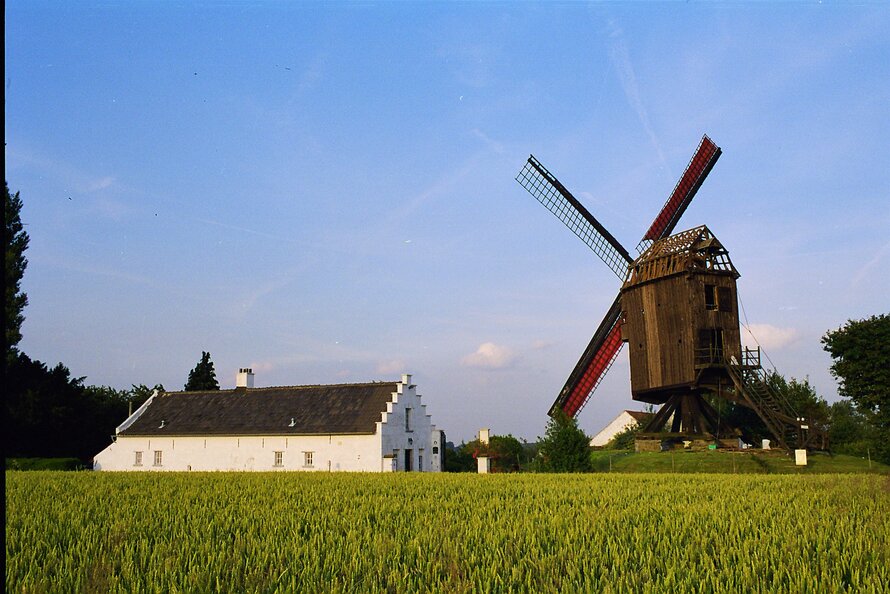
point(620, 58)
point(100, 184)
point(866, 268)
point(493, 145)
point(769, 336)
point(489, 356)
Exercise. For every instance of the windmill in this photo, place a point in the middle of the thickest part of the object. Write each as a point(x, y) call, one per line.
point(677, 308)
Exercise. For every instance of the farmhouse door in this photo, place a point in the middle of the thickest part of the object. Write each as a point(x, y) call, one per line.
point(409, 460)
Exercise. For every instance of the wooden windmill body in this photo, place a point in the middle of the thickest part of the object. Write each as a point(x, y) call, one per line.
point(680, 321)
point(677, 309)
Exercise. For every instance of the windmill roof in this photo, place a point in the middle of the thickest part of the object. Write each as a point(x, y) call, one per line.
point(324, 409)
point(693, 250)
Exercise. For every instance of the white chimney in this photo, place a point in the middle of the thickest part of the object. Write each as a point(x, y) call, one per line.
point(483, 436)
point(244, 379)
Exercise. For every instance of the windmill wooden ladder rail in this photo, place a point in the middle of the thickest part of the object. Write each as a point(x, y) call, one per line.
point(753, 389)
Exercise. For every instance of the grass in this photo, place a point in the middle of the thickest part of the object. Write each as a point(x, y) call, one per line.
point(723, 462)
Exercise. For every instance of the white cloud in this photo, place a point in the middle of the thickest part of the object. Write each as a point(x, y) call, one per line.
point(489, 356)
point(768, 336)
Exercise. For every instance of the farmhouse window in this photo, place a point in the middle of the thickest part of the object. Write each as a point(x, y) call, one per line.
point(407, 419)
point(279, 456)
point(307, 459)
point(435, 449)
point(159, 458)
point(138, 460)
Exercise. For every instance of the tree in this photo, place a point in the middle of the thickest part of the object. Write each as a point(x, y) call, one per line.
point(802, 397)
point(861, 353)
point(459, 459)
point(139, 393)
point(203, 376)
point(505, 452)
point(850, 432)
point(15, 242)
point(624, 439)
point(45, 411)
point(565, 447)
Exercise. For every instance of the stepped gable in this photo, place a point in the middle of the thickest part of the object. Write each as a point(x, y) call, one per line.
point(285, 410)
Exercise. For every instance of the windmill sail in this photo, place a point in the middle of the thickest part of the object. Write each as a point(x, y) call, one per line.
point(541, 184)
point(697, 170)
point(593, 364)
point(606, 343)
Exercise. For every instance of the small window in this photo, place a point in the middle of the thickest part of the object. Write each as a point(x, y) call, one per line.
point(407, 419)
point(159, 458)
point(307, 459)
point(435, 449)
point(279, 458)
point(138, 460)
point(711, 297)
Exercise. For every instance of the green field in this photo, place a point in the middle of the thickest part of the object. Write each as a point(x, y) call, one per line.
point(257, 532)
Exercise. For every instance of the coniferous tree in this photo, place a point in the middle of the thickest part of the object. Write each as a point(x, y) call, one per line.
point(203, 376)
point(15, 242)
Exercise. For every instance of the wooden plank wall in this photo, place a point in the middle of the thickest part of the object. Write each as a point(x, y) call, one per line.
point(662, 320)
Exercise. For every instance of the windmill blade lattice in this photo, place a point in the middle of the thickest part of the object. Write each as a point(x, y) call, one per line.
point(557, 199)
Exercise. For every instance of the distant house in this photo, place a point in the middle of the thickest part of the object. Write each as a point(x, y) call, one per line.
point(621, 422)
point(370, 427)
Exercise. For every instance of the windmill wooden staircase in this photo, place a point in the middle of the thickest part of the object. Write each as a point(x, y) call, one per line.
point(753, 390)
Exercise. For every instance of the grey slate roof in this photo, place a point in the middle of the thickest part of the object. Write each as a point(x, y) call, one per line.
point(333, 409)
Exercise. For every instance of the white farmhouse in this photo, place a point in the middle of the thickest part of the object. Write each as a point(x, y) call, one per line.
point(371, 427)
point(626, 419)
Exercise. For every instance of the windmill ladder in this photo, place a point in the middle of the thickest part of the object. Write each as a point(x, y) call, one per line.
point(771, 406)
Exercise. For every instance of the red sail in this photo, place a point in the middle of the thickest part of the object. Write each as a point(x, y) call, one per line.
point(595, 371)
point(698, 168)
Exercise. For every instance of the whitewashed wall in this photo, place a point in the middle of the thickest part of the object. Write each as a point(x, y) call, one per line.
point(437, 446)
point(329, 453)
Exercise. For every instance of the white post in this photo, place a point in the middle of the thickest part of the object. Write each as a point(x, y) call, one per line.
point(483, 465)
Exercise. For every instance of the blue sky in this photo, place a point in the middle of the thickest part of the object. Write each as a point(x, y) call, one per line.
point(325, 192)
